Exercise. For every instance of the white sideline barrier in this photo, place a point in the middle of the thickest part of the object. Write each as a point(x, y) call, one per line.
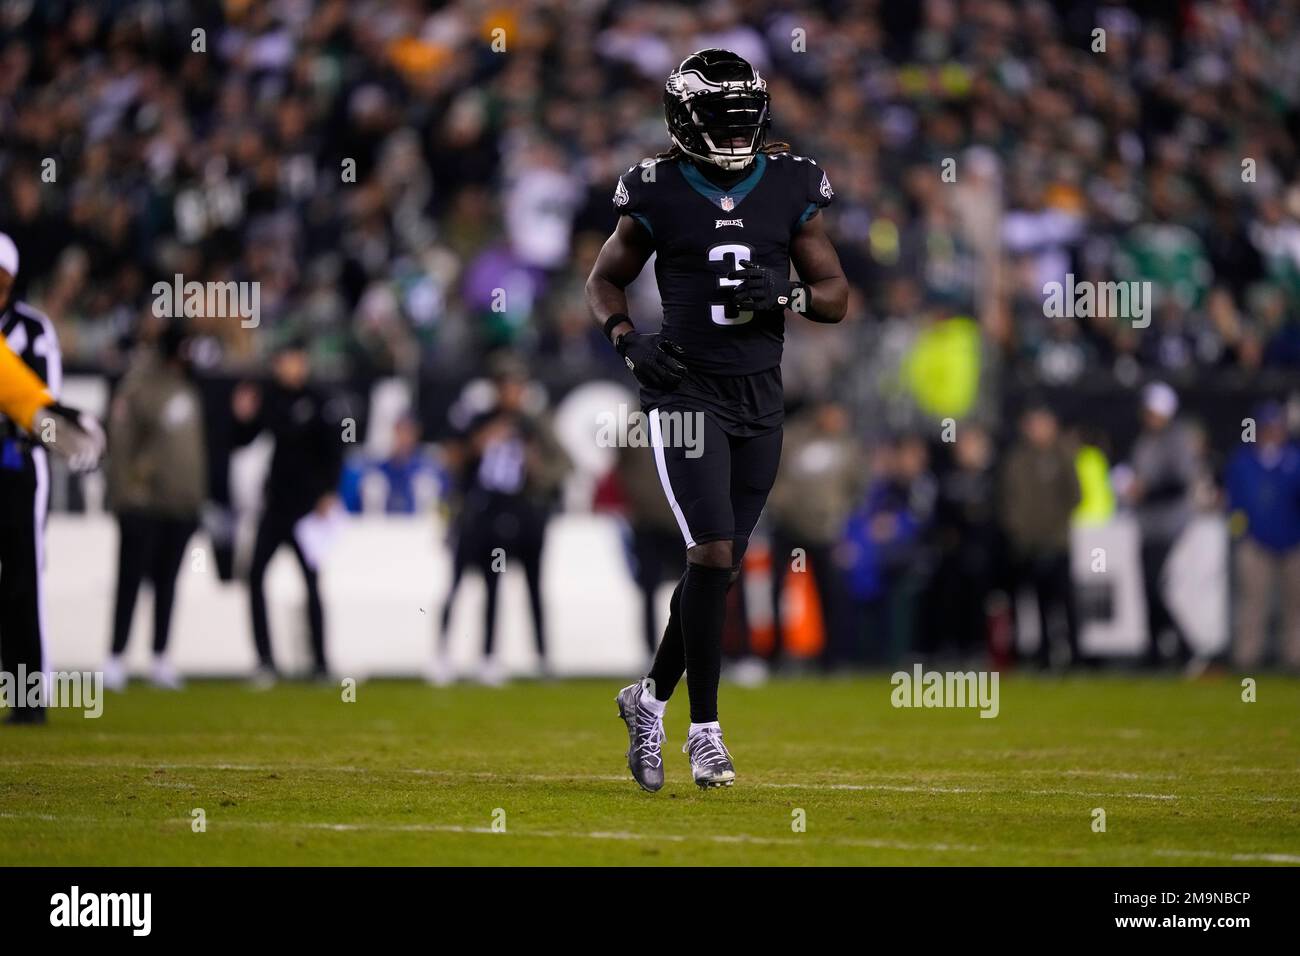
point(385, 582)
point(388, 577)
point(1196, 585)
point(383, 586)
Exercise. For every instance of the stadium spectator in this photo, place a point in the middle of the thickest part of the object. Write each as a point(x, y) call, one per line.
point(1165, 469)
point(404, 482)
point(410, 472)
point(882, 554)
point(966, 539)
point(1263, 485)
point(1039, 491)
point(823, 474)
point(1092, 467)
point(157, 485)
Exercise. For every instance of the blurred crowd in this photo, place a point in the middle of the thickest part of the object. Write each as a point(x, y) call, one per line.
point(923, 549)
point(381, 168)
point(386, 170)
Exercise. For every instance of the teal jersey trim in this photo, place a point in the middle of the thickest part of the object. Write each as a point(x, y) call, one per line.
point(640, 217)
point(712, 193)
point(808, 213)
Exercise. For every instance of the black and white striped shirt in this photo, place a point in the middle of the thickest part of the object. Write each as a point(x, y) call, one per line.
point(31, 335)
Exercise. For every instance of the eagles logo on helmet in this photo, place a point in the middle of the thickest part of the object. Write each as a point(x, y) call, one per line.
point(717, 109)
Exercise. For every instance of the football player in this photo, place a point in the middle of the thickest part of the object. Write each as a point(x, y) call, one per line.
point(727, 214)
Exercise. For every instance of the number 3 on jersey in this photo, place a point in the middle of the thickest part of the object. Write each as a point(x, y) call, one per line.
point(734, 251)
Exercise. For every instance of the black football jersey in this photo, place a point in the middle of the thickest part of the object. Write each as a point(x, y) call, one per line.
point(701, 233)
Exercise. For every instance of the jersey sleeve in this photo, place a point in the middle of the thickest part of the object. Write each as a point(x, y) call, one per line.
point(22, 393)
point(631, 195)
point(816, 188)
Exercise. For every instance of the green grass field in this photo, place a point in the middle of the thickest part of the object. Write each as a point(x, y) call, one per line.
point(1186, 773)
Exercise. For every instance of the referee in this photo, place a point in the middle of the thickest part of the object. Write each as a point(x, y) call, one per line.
point(24, 495)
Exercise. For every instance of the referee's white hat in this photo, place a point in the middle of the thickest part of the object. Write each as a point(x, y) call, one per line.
point(8, 255)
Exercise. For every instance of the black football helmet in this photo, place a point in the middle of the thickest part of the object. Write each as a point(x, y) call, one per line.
point(716, 107)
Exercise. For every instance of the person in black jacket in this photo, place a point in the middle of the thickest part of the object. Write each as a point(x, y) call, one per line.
point(303, 479)
point(965, 536)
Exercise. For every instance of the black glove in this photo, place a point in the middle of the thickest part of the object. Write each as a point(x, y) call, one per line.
point(73, 435)
point(762, 289)
point(652, 359)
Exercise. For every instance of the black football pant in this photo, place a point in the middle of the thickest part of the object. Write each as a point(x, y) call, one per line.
point(149, 547)
point(24, 499)
point(275, 529)
point(493, 529)
point(716, 486)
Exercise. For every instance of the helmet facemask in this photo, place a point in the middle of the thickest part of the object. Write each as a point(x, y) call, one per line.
point(723, 122)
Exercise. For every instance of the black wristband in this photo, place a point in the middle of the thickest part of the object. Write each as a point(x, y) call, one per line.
point(795, 289)
point(616, 319)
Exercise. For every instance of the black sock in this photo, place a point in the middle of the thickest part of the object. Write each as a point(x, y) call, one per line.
point(704, 609)
point(670, 659)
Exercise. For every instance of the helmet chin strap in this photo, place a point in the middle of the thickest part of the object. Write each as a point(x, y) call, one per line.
point(730, 163)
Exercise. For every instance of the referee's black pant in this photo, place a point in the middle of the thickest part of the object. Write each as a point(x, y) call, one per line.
point(492, 524)
point(24, 500)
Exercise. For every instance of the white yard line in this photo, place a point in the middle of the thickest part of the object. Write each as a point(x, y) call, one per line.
point(621, 835)
point(1236, 857)
point(487, 775)
point(897, 788)
point(1097, 793)
point(617, 835)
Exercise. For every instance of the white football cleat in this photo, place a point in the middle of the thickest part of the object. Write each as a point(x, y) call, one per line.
point(438, 672)
point(645, 735)
point(710, 760)
point(491, 673)
point(115, 674)
point(163, 676)
point(264, 678)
